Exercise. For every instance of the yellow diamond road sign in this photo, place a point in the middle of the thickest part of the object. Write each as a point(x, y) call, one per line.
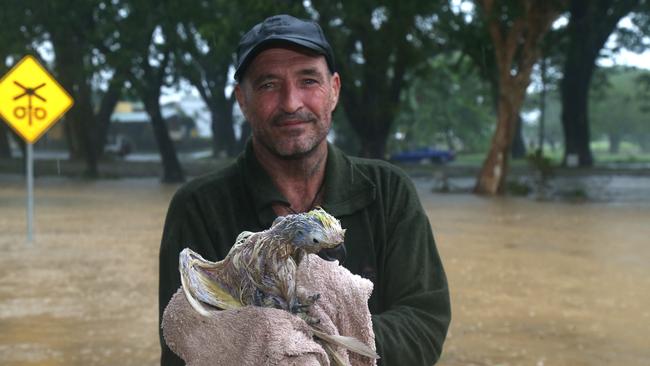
point(31, 101)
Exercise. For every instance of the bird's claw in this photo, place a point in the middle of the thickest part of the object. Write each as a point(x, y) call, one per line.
point(311, 320)
point(301, 308)
point(312, 299)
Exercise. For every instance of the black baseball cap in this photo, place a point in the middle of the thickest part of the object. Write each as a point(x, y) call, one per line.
point(278, 30)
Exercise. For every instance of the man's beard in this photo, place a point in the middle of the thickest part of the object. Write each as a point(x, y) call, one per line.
point(311, 145)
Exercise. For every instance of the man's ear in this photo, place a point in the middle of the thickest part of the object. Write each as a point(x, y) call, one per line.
point(241, 99)
point(336, 89)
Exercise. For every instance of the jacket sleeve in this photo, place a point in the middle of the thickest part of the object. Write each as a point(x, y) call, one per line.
point(412, 328)
point(184, 227)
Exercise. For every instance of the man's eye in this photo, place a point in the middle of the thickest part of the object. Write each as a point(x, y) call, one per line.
point(266, 86)
point(310, 81)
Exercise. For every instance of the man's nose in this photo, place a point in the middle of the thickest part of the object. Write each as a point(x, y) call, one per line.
point(291, 99)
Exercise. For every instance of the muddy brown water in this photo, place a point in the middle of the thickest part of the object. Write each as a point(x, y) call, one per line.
point(532, 283)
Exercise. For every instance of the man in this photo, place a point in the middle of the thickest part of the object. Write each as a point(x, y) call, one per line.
point(287, 89)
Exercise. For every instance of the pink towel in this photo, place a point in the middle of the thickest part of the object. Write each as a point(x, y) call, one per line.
point(263, 336)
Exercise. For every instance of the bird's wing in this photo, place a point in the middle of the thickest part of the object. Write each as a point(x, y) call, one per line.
point(200, 288)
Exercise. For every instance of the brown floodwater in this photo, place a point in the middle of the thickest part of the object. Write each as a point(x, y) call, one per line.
point(532, 283)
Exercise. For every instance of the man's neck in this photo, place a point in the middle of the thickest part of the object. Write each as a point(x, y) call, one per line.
point(298, 180)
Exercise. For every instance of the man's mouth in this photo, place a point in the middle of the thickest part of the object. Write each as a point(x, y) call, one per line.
point(292, 122)
point(293, 119)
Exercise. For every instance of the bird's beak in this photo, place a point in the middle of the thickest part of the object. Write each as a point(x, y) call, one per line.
point(332, 254)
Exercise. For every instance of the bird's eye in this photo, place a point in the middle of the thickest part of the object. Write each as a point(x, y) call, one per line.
point(315, 240)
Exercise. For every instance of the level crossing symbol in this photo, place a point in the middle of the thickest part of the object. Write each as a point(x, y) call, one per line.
point(31, 101)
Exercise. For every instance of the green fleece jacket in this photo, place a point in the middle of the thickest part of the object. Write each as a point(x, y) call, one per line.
point(388, 241)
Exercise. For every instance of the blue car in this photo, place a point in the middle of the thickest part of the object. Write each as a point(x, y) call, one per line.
point(424, 154)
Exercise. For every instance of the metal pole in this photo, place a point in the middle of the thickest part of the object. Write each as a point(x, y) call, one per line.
point(542, 108)
point(30, 193)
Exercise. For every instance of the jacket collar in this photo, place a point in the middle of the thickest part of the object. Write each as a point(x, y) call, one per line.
point(346, 188)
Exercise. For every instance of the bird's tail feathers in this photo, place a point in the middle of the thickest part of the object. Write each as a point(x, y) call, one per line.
point(349, 343)
point(335, 357)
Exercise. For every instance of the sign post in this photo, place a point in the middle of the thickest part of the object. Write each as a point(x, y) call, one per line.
point(30, 191)
point(31, 101)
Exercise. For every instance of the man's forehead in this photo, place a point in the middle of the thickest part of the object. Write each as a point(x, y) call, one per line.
point(280, 58)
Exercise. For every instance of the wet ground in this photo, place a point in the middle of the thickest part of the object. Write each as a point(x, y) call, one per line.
point(533, 283)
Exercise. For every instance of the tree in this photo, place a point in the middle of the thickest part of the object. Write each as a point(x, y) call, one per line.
point(72, 51)
point(15, 41)
point(376, 46)
point(209, 33)
point(446, 106)
point(544, 99)
point(75, 30)
point(147, 35)
point(552, 121)
point(474, 42)
point(590, 25)
point(516, 29)
point(616, 107)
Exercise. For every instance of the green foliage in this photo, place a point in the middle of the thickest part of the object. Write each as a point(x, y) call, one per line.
point(345, 137)
point(422, 68)
point(619, 101)
point(377, 45)
point(553, 121)
point(635, 38)
point(208, 33)
point(15, 40)
point(446, 107)
point(617, 107)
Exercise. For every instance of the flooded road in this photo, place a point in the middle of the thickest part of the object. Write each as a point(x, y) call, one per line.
point(532, 283)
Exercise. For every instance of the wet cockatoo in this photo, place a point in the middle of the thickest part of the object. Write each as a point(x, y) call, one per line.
point(260, 270)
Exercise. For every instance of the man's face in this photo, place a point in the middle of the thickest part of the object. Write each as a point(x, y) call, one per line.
point(288, 95)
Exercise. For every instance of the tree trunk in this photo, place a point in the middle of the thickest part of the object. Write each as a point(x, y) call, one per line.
point(370, 121)
point(373, 146)
point(589, 27)
point(449, 139)
point(644, 142)
point(370, 91)
point(5, 150)
point(223, 133)
point(493, 174)
point(79, 119)
point(19, 140)
point(211, 86)
point(575, 99)
point(245, 134)
point(516, 49)
point(518, 144)
point(103, 116)
point(372, 132)
point(542, 108)
point(84, 119)
point(614, 142)
point(172, 170)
